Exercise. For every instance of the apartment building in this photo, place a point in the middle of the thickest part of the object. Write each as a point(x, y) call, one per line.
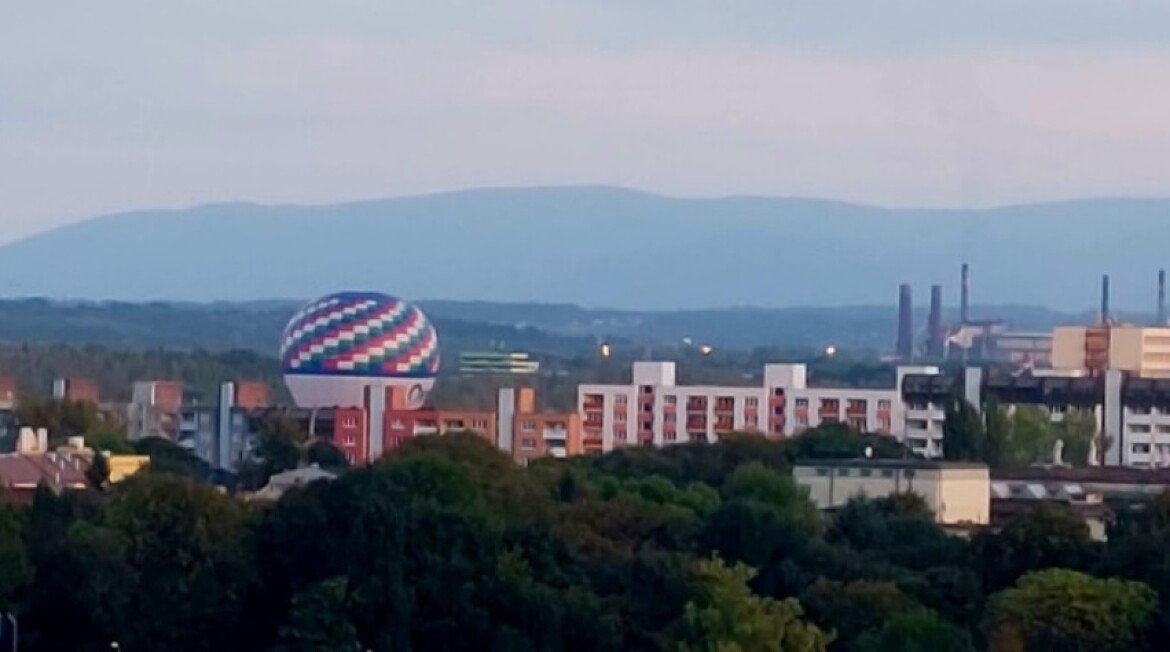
point(655, 410)
point(1132, 412)
point(219, 433)
point(517, 427)
point(76, 390)
point(154, 409)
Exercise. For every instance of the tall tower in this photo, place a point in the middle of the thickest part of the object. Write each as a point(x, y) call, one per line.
point(965, 296)
point(1161, 298)
point(934, 326)
point(1106, 318)
point(905, 323)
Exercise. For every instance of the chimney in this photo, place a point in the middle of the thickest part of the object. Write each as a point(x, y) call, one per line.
point(965, 296)
point(934, 335)
point(1161, 297)
point(1105, 316)
point(905, 323)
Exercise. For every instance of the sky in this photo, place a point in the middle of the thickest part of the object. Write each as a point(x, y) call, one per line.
point(130, 104)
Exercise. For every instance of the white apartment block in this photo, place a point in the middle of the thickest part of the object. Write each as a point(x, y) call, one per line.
point(655, 410)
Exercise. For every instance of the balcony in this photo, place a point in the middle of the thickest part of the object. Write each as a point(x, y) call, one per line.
point(696, 405)
point(558, 433)
point(593, 402)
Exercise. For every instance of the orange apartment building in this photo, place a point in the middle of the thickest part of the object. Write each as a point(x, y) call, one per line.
point(517, 427)
point(77, 390)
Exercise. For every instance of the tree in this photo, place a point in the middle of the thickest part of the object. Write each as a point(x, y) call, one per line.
point(998, 429)
point(1050, 536)
point(725, 616)
point(318, 621)
point(325, 455)
point(1069, 611)
point(918, 630)
point(754, 482)
point(853, 608)
point(98, 473)
point(963, 436)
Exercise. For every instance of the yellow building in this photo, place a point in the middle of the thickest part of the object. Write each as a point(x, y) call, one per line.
point(124, 466)
point(1142, 350)
point(959, 493)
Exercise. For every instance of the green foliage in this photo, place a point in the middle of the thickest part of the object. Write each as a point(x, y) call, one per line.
point(98, 473)
point(964, 439)
point(448, 544)
point(63, 418)
point(726, 616)
point(836, 441)
point(318, 621)
point(915, 631)
point(1065, 610)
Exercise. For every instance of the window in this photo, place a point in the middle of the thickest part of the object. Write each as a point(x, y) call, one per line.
point(620, 434)
point(647, 425)
point(1164, 430)
point(670, 418)
point(350, 440)
point(844, 472)
point(528, 425)
point(620, 417)
point(865, 473)
point(647, 407)
point(856, 405)
point(1139, 428)
point(822, 472)
point(751, 401)
point(646, 389)
point(887, 473)
point(1140, 449)
point(802, 402)
point(528, 443)
point(909, 473)
point(884, 404)
point(620, 399)
point(670, 436)
point(671, 399)
point(802, 422)
point(751, 420)
point(1140, 409)
point(397, 424)
point(349, 422)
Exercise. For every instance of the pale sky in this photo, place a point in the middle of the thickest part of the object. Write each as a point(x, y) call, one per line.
point(113, 105)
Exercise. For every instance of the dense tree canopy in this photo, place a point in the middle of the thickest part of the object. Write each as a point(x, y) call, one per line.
point(448, 545)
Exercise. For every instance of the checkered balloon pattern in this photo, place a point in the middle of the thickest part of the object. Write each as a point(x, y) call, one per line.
point(360, 334)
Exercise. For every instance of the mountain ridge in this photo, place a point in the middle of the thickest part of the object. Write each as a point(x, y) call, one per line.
point(601, 246)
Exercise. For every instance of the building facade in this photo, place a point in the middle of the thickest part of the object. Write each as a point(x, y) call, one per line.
point(154, 409)
point(655, 410)
point(220, 434)
point(958, 493)
point(1141, 350)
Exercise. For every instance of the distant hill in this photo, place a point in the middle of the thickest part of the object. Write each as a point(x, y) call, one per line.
point(562, 331)
point(597, 246)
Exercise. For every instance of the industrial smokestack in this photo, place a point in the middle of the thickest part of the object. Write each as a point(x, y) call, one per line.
point(934, 337)
point(965, 296)
point(905, 323)
point(1105, 317)
point(1161, 297)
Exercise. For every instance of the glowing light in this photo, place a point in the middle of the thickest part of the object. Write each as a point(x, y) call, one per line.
point(606, 351)
point(706, 349)
point(830, 350)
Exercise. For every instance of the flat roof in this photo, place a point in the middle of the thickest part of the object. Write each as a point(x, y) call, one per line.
point(909, 463)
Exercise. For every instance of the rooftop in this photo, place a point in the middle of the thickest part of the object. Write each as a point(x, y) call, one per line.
point(909, 463)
